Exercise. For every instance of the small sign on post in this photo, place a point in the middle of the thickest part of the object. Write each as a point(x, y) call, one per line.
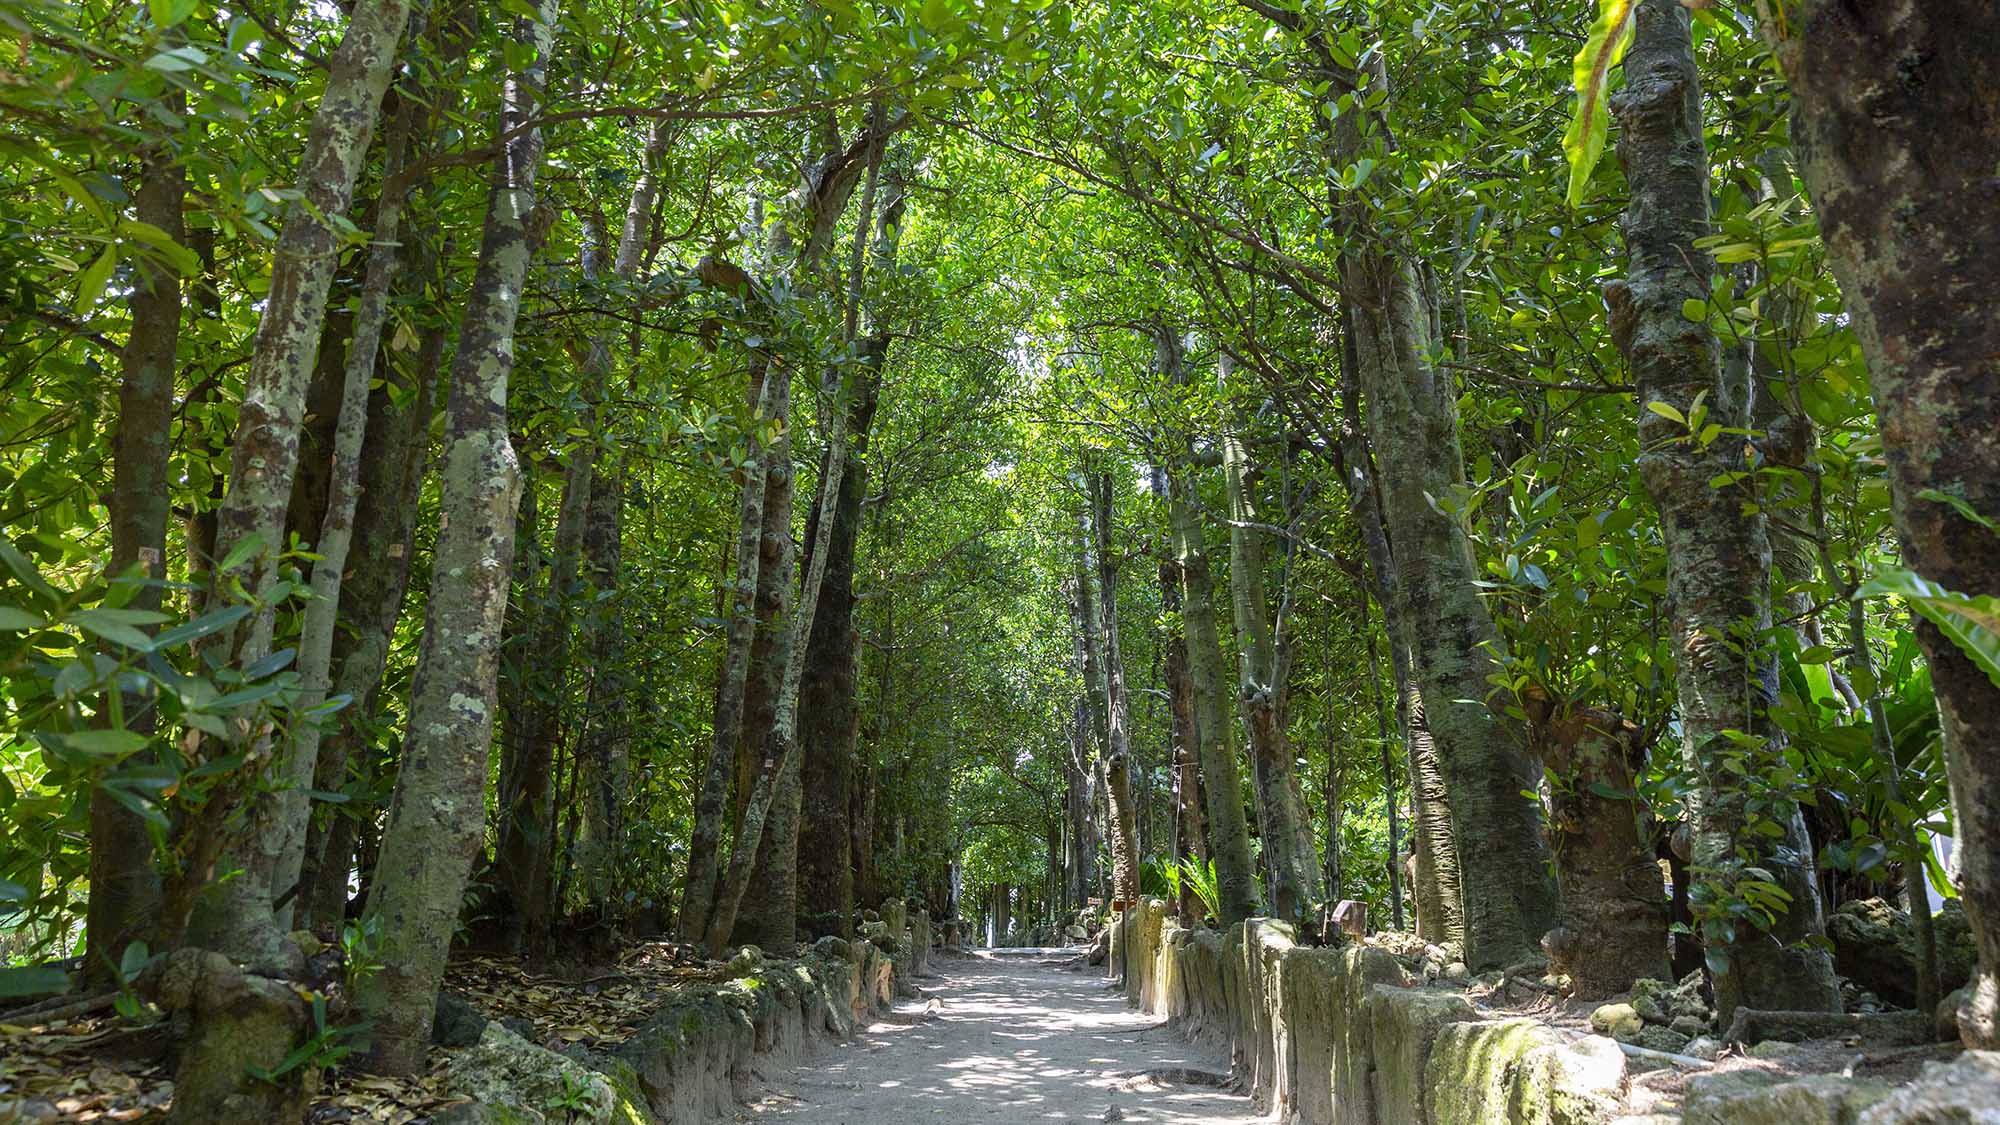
point(1351, 917)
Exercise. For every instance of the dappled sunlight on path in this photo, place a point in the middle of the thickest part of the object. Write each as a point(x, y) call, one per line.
point(1011, 1038)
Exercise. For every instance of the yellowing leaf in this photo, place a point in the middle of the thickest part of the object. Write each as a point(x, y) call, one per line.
point(1583, 142)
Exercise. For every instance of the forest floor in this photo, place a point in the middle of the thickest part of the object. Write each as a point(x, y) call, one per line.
point(1009, 1036)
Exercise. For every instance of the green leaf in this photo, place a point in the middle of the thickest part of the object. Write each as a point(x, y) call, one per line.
point(201, 626)
point(14, 618)
point(1583, 142)
point(104, 623)
point(1667, 412)
point(91, 282)
point(1971, 623)
point(243, 549)
point(33, 980)
point(170, 13)
point(105, 742)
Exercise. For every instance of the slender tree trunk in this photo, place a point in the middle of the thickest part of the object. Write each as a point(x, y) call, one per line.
point(1896, 119)
point(1718, 551)
point(371, 600)
point(1228, 835)
point(1295, 882)
point(237, 918)
point(1388, 767)
point(1190, 832)
point(603, 745)
point(827, 690)
point(1117, 706)
point(713, 801)
point(438, 817)
point(124, 883)
point(336, 533)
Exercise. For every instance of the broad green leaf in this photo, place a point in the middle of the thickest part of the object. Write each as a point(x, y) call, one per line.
point(201, 626)
point(1583, 142)
point(104, 623)
point(91, 282)
point(13, 618)
point(1666, 411)
point(109, 743)
point(33, 980)
point(1971, 622)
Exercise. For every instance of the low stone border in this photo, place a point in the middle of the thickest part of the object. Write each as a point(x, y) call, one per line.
point(1345, 1037)
point(696, 1058)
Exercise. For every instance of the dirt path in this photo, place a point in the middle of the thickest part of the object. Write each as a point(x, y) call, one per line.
point(1013, 1038)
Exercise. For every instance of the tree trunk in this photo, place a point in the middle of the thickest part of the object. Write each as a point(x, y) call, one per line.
point(1117, 707)
point(124, 883)
point(438, 817)
point(827, 689)
point(1228, 835)
point(336, 533)
point(1614, 919)
point(371, 600)
point(237, 918)
point(712, 803)
point(1763, 954)
point(1896, 119)
point(1190, 830)
point(604, 744)
point(1294, 877)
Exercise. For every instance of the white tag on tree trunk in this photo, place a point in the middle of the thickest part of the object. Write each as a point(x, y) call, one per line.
point(395, 550)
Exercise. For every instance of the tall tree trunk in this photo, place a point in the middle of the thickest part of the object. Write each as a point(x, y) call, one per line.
point(827, 689)
point(1228, 835)
point(124, 883)
point(1896, 119)
point(336, 533)
point(1389, 809)
point(824, 195)
point(237, 918)
point(1117, 706)
point(1718, 550)
point(1294, 877)
point(1440, 915)
point(437, 818)
point(712, 801)
point(1190, 829)
point(371, 600)
point(604, 743)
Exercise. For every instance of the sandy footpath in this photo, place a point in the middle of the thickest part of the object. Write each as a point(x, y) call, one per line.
point(1008, 1038)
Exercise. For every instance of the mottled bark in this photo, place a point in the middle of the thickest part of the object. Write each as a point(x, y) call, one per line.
point(437, 818)
point(124, 883)
point(1117, 705)
point(237, 918)
point(1896, 119)
point(1718, 550)
point(1228, 835)
point(371, 600)
point(1294, 876)
point(298, 764)
point(1190, 822)
point(604, 743)
point(827, 690)
point(713, 799)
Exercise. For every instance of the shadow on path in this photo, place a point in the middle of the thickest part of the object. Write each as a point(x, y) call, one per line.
point(1006, 1038)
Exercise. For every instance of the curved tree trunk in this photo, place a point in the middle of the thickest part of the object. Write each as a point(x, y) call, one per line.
point(238, 918)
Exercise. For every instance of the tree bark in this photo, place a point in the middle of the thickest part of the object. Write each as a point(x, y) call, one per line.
point(371, 600)
point(1117, 706)
point(712, 803)
point(1294, 877)
point(1718, 550)
point(237, 918)
point(438, 817)
point(1228, 835)
point(124, 883)
point(297, 768)
point(1896, 120)
point(1190, 829)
